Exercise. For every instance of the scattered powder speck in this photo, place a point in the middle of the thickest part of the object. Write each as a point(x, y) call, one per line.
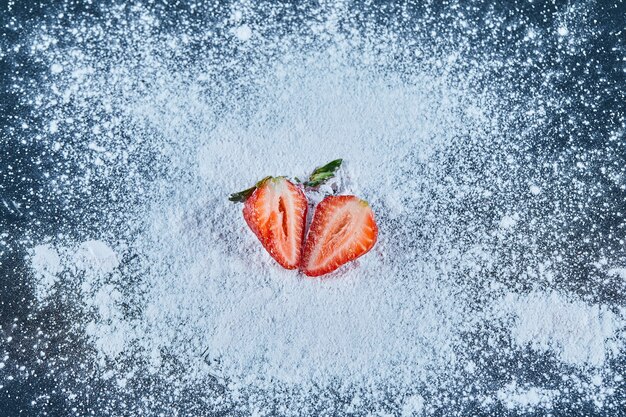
point(54, 126)
point(535, 190)
point(562, 31)
point(243, 32)
point(509, 221)
point(56, 68)
point(413, 406)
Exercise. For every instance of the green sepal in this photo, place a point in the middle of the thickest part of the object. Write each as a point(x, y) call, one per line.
point(323, 173)
point(242, 196)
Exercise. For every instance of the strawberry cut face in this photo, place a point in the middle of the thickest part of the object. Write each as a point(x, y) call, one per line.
point(276, 213)
point(343, 228)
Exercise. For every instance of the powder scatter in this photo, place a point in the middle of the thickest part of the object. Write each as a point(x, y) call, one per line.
point(95, 147)
point(462, 127)
point(413, 406)
point(243, 32)
point(56, 68)
point(509, 221)
point(515, 397)
point(562, 31)
point(535, 190)
point(618, 272)
point(46, 264)
point(95, 255)
point(53, 127)
point(576, 332)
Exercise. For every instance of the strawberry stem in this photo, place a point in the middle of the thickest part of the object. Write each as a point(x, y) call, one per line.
point(242, 196)
point(322, 174)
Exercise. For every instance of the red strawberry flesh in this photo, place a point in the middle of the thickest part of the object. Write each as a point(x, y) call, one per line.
point(343, 228)
point(276, 213)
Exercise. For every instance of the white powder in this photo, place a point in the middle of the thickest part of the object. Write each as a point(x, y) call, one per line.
point(576, 332)
point(46, 264)
point(53, 127)
point(266, 325)
point(618, 272)
point(412, 406)
point(509, 221)
point(198, 303)
point(526, 398)
point(94, 255)
point(56, 68)
point(213, 298)
point(243, 32)
point(535, 190)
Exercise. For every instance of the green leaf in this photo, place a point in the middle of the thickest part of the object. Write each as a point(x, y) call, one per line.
point(242, 196)
point(322, 174)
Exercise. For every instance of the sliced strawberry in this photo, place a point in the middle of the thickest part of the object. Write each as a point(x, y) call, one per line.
point(343, 228)
point(275, 209)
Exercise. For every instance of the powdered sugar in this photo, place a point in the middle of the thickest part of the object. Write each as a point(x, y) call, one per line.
point(95, 256)
point(618, 272)
point(578, 333)
point(46, 265)
point(526, 398)
point(243, 32)
point(173, 294)
point(412, 406)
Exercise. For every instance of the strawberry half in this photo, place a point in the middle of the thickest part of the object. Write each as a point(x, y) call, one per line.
point(275, 209)
point(343, 228)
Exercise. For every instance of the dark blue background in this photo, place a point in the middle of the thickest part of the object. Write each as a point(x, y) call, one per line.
point(600, 100)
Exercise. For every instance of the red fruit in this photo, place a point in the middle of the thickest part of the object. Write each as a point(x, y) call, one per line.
point(343, 228)
point(276, 213)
